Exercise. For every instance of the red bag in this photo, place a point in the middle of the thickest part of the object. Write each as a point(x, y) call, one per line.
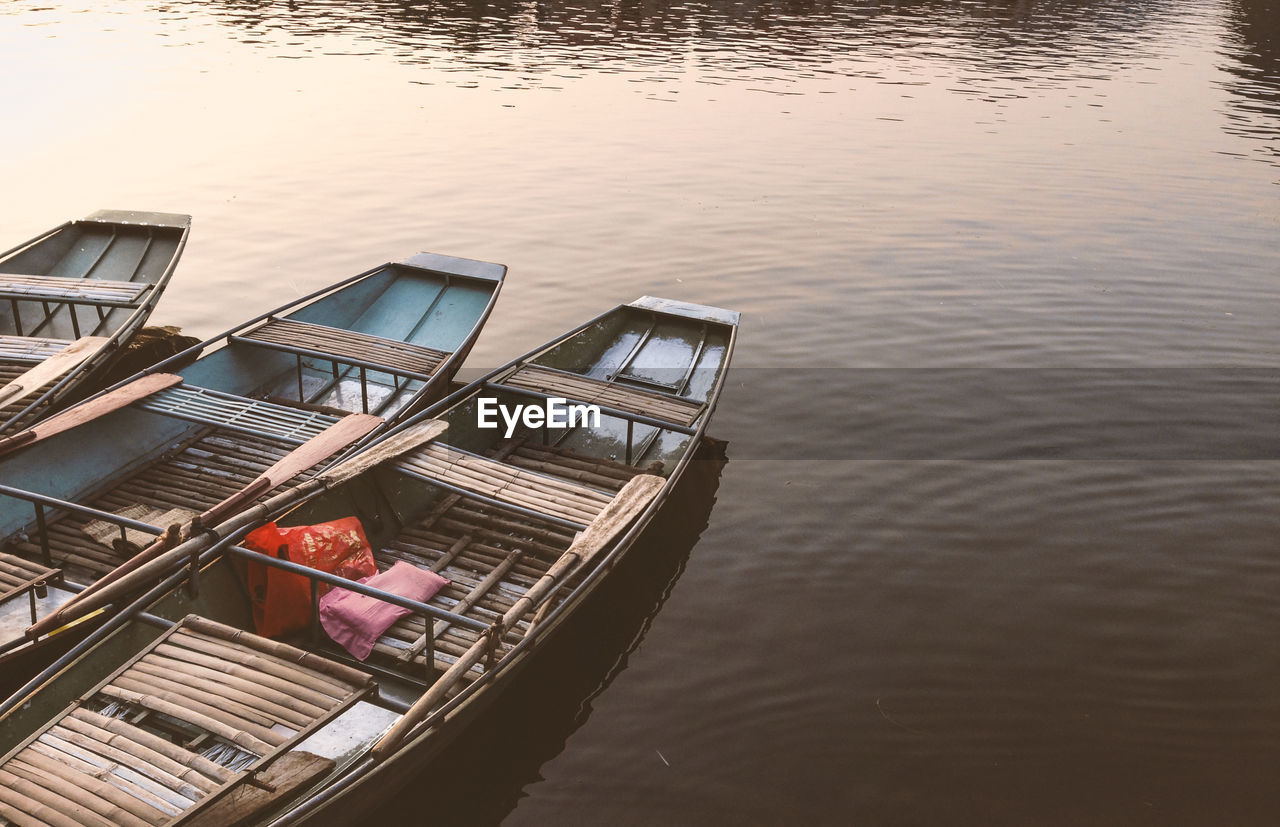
point(282, 600)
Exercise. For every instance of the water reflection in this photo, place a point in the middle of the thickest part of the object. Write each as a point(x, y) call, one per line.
point(786, 37)
point(996, 51)
point(481, 779)
point(1255, 48)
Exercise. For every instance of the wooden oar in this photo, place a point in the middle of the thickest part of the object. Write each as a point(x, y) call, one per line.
point(53, 367)
point(615, 517)
point(102, 593)
point(324, 444)
point(90, 410)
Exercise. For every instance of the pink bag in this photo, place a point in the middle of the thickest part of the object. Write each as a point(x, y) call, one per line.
point(356, 621)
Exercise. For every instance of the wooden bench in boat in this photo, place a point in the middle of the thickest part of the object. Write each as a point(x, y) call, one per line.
point(252, 417)
point(663, 406)
point(203, 712)
point(491, 555)
point(30, 348)
point(98, 292)
point(346, 346)
point(531, 492)
point(17, 575)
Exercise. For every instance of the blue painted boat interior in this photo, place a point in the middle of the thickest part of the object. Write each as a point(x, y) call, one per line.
point(393, 301)
point(88, 249)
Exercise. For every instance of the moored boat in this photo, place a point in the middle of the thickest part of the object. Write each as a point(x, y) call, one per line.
point(71, 298)
point(524, 522)
point(88, 489)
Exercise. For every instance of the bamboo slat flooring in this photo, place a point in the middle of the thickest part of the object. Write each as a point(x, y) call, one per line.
point(199, 474)
point(520, 486)
point(491, 556)
point(144, 769)
point(625, 398)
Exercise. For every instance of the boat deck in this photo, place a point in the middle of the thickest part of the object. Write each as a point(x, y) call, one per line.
point(202, 711)
point(491, 554)
point(578, 388)
point(195, 476)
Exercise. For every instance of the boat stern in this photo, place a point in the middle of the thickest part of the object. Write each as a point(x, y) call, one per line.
point(701, 312)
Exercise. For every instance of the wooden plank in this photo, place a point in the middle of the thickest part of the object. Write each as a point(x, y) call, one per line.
point(375, 352)
point(291, 773)
point(26, 287)
point(30, 348)
point(585, 389)
point(473, 478)
point(180, 672)
point(192, 700)
point(17, 817)
point(82, 721)
point(262, 661)
point(51, 369)
point(76, 734)
point(89, 410)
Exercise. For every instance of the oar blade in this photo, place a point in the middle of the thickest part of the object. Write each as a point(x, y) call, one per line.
point(320, 447)
point(91, 409)
point(391, 447)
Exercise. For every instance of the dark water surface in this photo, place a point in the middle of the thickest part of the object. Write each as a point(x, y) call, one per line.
point(996, 542)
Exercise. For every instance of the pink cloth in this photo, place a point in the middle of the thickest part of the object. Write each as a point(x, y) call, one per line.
point(355, 620)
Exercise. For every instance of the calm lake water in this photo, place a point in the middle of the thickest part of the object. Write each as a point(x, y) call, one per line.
point(996, 540)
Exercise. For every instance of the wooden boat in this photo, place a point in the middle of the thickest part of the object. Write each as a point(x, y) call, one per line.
point(269, 399)
point(71, 298)
point(198, 720)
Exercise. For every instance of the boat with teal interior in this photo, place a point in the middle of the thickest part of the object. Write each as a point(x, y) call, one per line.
point(71, 298)
point(484, 539)
point(88, 489)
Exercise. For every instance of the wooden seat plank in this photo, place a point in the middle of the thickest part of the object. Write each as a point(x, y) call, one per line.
point(593, 391)
point(347, 346)
point(102, 292)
